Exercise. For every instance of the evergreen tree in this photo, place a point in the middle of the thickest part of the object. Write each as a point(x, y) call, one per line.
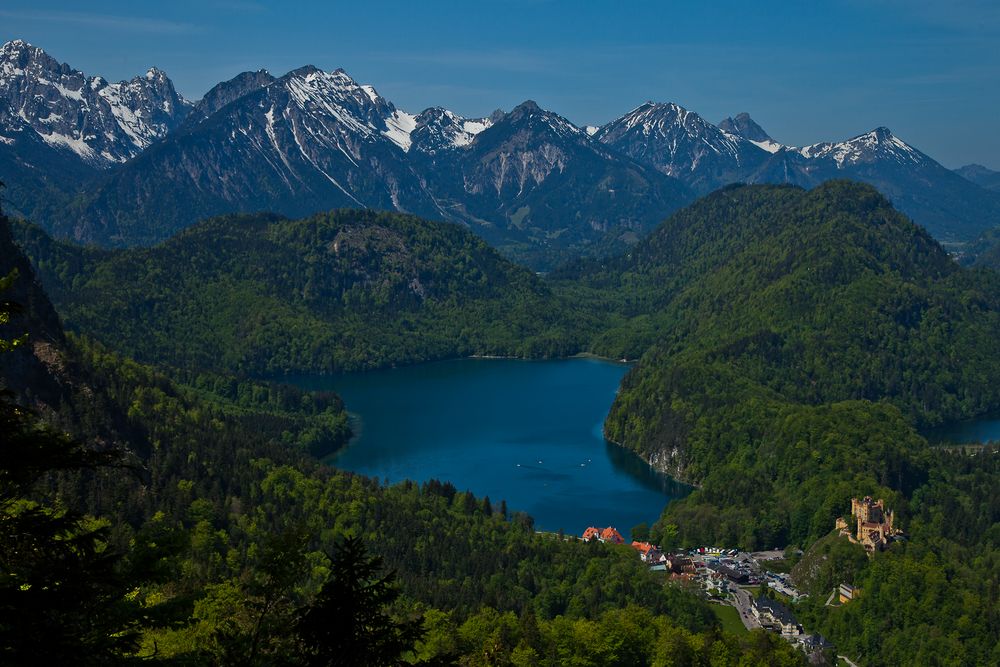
point(61, 595)
point(348, 623)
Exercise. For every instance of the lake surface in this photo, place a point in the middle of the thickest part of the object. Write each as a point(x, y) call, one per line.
point(528, 432)
point(972, 431)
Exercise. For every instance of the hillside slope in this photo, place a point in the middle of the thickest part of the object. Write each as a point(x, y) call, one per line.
point(338, 291)
point(220, 525)
point(820, 295)
point(797, 338)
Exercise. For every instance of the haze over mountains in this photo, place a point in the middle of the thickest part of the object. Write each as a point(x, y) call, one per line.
point(981, 175)
point(131, 163)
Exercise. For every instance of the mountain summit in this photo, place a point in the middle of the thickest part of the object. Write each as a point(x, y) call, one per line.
point(132, 162)
point(103, 123)
point(745, 126)
point(682, 144)
point(529, 180)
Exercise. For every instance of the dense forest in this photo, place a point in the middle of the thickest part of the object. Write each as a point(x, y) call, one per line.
point(985, 251)
point(791, 344)
point(800, 339)
point(181, 519)
point(341, 291)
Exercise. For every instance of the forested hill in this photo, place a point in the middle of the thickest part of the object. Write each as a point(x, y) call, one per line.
point(820, 295)
point(31, 368)
point(986, 250)
point(799, 337)
point(208, 540)
point(338, 291)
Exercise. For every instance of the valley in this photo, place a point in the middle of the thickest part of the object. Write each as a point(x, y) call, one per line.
point(290, 375)
point(773, 407)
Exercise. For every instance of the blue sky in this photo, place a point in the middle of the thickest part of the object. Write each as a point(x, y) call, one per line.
point(807, 71)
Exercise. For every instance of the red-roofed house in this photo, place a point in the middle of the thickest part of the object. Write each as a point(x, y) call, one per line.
point(649, 553)
point(642, 547)
point(609, 534)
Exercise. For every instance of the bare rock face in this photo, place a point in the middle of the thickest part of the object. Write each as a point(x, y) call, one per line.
point(744, 126)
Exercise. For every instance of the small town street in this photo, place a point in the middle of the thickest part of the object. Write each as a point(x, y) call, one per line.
point(742, 602)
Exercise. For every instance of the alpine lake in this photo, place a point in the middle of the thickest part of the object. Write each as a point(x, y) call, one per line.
point(527, 432)
point(982, 430)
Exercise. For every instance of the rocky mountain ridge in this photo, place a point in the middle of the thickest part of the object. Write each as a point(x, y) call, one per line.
point(145, 163)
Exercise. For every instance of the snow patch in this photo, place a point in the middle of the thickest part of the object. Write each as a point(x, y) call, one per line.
point(78, 146)
point(139, 133)
point(768, 145)
point(474, 127)
point(400, 125)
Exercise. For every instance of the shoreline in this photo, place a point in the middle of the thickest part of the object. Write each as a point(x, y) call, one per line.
point(578, 355)
point(299, 373)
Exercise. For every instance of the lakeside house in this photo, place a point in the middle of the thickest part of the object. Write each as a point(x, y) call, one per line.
point(608, 534)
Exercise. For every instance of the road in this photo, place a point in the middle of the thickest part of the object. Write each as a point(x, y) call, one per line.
point(741, 600)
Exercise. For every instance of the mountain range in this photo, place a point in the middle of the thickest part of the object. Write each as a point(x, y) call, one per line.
point(133, 162)
point(980, 175)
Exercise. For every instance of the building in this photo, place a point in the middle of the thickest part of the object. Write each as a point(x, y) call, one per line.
point(815, 646)
point(649, 553)
point(608, 534)
point(874, 524)
point(643, 548)
point(716, 584)
point(773, 615)
point(737, 576)
point(680, 564)
point(847, 593)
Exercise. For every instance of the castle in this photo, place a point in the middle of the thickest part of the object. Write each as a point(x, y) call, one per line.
point(874, 524)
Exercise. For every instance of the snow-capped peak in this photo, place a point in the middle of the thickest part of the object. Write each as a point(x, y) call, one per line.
point(661, 119)
point(101, 122)
point(18, 46)
point(157, 76)
point(530, 111)
point(355, 107)
point(879, 143)
point(439, 129)
point(674, 139)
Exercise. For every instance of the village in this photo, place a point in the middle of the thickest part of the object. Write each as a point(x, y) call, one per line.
point(748, 582)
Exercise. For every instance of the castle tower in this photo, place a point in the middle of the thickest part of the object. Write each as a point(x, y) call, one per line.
point(874, 523)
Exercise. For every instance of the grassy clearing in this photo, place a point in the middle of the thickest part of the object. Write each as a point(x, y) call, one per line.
point(729, 618)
